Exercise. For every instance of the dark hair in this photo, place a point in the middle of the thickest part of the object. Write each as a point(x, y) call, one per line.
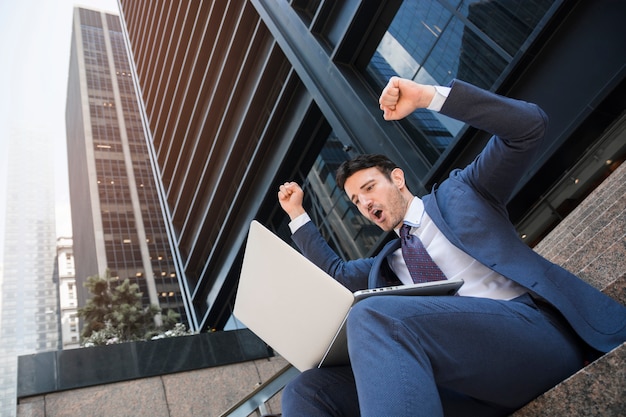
point(347, 168)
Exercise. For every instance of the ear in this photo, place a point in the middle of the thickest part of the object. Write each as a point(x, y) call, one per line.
point(397, 177)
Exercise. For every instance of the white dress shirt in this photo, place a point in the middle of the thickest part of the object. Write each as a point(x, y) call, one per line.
point(480, 281)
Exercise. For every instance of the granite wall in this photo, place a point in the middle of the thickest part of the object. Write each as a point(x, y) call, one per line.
point(591, 242)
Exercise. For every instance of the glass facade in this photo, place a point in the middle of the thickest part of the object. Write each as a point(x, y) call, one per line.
point(435, 41)
point(342, 225)
point(133, 233)
point(431, 42)
point(29, 303)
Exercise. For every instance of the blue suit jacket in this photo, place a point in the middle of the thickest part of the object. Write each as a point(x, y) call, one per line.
point(469, 208)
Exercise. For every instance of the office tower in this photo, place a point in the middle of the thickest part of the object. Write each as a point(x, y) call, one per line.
point(117, 221)
point(240, 97)
point(68, 304)
point(29, 305)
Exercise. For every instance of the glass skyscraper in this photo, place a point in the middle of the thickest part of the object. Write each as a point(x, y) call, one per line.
point(117, 221)
point(29, 303)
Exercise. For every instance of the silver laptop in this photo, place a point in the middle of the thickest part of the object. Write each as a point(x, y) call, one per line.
point(298, 309)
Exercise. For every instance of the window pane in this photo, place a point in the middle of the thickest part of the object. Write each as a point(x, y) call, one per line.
point(496, 24)
point(435, 41)
point(509, 23)
point(340, 222)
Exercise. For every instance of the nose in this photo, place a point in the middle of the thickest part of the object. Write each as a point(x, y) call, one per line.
point(364, 201)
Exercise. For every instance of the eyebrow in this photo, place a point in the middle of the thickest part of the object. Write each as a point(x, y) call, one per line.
point(365, 184)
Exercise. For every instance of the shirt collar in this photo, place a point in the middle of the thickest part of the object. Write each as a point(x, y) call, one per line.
point(414, 214)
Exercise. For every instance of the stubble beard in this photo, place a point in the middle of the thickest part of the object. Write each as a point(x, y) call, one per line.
point(398, 206)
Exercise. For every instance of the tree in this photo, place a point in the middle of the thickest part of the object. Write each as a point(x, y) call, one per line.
point(115, 313)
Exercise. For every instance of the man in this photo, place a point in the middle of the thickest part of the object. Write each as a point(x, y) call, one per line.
point(520, 323)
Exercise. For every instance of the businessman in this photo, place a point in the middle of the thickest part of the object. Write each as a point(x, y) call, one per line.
point(520, 323)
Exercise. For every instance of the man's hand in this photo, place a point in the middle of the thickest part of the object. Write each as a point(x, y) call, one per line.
point(290, 197)
point(402, 97)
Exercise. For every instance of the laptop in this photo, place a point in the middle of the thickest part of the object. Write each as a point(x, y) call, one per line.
point(297, 308)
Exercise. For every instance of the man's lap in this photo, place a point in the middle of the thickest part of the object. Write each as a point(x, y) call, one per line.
point(411, 350)
point(502, 352)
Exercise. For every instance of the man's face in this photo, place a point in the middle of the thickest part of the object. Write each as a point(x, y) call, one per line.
point(382, 200)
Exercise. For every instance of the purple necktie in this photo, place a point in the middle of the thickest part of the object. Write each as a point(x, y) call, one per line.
point(421, 266)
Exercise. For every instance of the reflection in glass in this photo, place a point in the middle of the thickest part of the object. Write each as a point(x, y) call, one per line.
point(350, 234)
point(436, 41)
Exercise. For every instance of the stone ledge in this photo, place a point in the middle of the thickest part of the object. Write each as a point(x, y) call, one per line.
point(56, 371)
point(202, 392)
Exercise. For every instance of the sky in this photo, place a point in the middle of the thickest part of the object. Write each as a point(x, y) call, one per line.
point(35, 47)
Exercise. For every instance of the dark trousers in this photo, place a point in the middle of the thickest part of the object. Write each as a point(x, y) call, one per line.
point(440, 356)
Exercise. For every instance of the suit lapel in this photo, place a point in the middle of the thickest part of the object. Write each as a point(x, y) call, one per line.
point(379, 274)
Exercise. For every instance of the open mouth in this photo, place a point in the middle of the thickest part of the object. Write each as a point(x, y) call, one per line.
point(377, 214)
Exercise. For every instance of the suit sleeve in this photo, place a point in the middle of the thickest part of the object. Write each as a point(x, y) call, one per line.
point(517, 127)
point(352, 274)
